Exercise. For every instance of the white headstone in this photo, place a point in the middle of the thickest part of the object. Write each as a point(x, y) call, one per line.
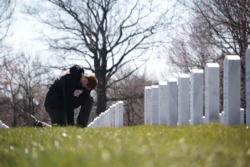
point(147, 105)
point(212, 92)
point(90, 124)
point(94, 122)
point(162, 91)
point(102, 119)
point(183, 99)
point(108, 118)
point(113, 115)
point(2, 125)
point(196, 97)
point(154, 98)
point(242, 113)
point(221, 117)
point(203, 119)
point(121, 112)
point(172, 102)
point(105, 118)
point(117, 114)
point(97, 121)
point(247, 86)
point(232, 87)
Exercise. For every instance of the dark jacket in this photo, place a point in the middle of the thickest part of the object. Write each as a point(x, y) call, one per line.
point(60, 94)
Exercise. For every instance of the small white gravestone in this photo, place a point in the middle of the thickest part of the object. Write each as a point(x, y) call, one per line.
point(183, 99)
point(97, 121)
point(196, 97)
point(2, 125)
point(203, 119)
point(94, 122)
point(221, 119)
point(147, 105)
point(162, 92)
point(101, 119)
point(154, 98)
point(172, 102)
point(105, 118)
point(110, 116)
point(121, 112)
point(248, 86)
point(113, 115)
point(232, 87)
point(212, 92)
point(108, 120)
point(117, 115)
point(242, 113)
point(90, 124)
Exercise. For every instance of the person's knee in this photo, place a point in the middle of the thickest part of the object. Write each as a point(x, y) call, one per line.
point(88, 101)
point(83, 117)
point(91, 100)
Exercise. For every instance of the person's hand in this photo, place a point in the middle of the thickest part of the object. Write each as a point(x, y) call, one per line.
point(77, 93)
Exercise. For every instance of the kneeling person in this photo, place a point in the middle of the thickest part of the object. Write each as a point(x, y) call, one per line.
point(70, 91)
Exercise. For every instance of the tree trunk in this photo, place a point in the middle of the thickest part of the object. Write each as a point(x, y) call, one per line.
point(128, 114)
point(101, 89)
point(100, 67)
point(101, 99)
point(14, 124)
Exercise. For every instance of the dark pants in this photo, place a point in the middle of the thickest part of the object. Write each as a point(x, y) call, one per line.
point(58, 116)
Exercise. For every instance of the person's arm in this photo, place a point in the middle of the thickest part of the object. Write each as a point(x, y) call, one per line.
point(80, 90)
point(68, 89)
point(77, 92)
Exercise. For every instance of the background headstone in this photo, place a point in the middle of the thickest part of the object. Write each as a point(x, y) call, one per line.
point(162, 92)
point(196, 97)
point(147, 105)
point(172, 102)
point(212, 92)
point(232, 87)
point(154, 98)
point(183, 99)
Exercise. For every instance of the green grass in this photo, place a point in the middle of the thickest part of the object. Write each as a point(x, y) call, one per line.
point(142, 146)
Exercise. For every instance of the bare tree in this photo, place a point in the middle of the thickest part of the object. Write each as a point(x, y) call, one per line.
point(6, 11)
point(131, 92)
point(23, 81)
point(5, 114)
point(226, 26)
point(227, 22)
point(106, 34)
point(192, 48)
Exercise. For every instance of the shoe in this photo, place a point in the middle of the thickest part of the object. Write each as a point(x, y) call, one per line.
point(38, 123)
point(32, 121)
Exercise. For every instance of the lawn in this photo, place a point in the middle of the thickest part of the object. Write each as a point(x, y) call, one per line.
point(141, 146)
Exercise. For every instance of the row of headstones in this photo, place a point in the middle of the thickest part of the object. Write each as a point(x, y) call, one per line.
point(170, 103)
point(112, 117)
point(2, 125)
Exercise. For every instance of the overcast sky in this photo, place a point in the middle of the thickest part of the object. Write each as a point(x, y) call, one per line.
point(24, 36)
point(23, 33)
